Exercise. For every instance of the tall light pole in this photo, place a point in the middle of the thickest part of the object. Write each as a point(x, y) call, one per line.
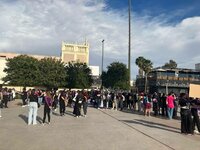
point(102, 62)
point(129, 40)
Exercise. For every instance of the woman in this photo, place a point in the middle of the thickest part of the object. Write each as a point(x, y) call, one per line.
point(77, 107)
point(170, 105)
point(186, 119)
point(33, 107)
point(155, 103)
point(62, 103)
point(85, 103)
point(47, 106)
point(55, 100)
point(24, 97)
point(147, 105)
point(5, 97)
point(164, 105)
point(195, 105)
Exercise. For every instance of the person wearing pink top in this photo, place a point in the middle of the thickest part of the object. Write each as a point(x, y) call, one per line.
point(170, 105)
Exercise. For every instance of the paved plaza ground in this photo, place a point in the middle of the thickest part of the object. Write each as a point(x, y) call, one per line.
point(100, 130)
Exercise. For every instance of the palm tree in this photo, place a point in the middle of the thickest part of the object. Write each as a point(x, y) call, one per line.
point(139, 62)
point(145, 65)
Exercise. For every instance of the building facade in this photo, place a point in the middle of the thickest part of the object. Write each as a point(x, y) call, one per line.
point(69, 52)
point(75, 52)
point(197, 67)
point(168, 80)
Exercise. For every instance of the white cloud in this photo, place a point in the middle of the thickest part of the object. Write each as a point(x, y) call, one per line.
point(39, 26)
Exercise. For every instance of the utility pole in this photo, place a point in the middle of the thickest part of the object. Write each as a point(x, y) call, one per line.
point(102, 62)
point(129, 41)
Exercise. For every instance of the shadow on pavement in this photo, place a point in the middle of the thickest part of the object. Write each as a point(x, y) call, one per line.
point(25, 118)
point(66, 112)
point(39, 119)
point(159, 124)
point(132, 112)
point(69, 113)
point(153, 125)
point(152, 114)
point(55, 114)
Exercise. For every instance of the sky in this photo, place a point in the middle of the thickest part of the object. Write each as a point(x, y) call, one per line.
point(161, 29)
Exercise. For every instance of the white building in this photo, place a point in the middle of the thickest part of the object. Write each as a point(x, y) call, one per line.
point(197, 67)
point(4, 56)
point(2, 67)
point(95, 70)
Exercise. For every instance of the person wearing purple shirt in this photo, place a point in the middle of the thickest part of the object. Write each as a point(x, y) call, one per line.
point(47, 106)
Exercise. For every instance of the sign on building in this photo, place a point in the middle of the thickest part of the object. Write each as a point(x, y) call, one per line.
point(194, 91)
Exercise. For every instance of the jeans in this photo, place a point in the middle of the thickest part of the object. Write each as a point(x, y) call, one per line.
point(85, 104)
point(47, 112)
point(170, 112)
point(32, 114)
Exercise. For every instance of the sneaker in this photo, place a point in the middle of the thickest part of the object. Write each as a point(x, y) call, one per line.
point(0, 116)
point(43, 124)
point(48, 122)
point(195, 131)
point(23, 105)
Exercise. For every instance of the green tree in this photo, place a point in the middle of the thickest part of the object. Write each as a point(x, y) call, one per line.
point(78, 75)
point(146, 65)
point(52, 73)
point(139, 62)
point(22, 71)
point(116, 76)
point(170, 65)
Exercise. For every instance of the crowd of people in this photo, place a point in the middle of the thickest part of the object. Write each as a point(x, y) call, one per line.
point(147, 104)
point(6, 95)
point(51, 100)
point(156, 104)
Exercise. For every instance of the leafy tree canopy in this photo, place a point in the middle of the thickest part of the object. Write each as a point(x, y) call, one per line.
point(170, 65)
point(78, 75)
point(22, 70)
point(144, 64)
point(116, 76)
point(52, 73)
point(25, 71)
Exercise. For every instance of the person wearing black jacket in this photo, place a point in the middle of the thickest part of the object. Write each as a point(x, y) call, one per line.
point(85, 103)
point(195, 105)
point(62, 103)
point(24, 96)
point(186, 118)
point(5, 97)
point(33, 107)
point(47, 106)
point(78, 103)
point(163, 104)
